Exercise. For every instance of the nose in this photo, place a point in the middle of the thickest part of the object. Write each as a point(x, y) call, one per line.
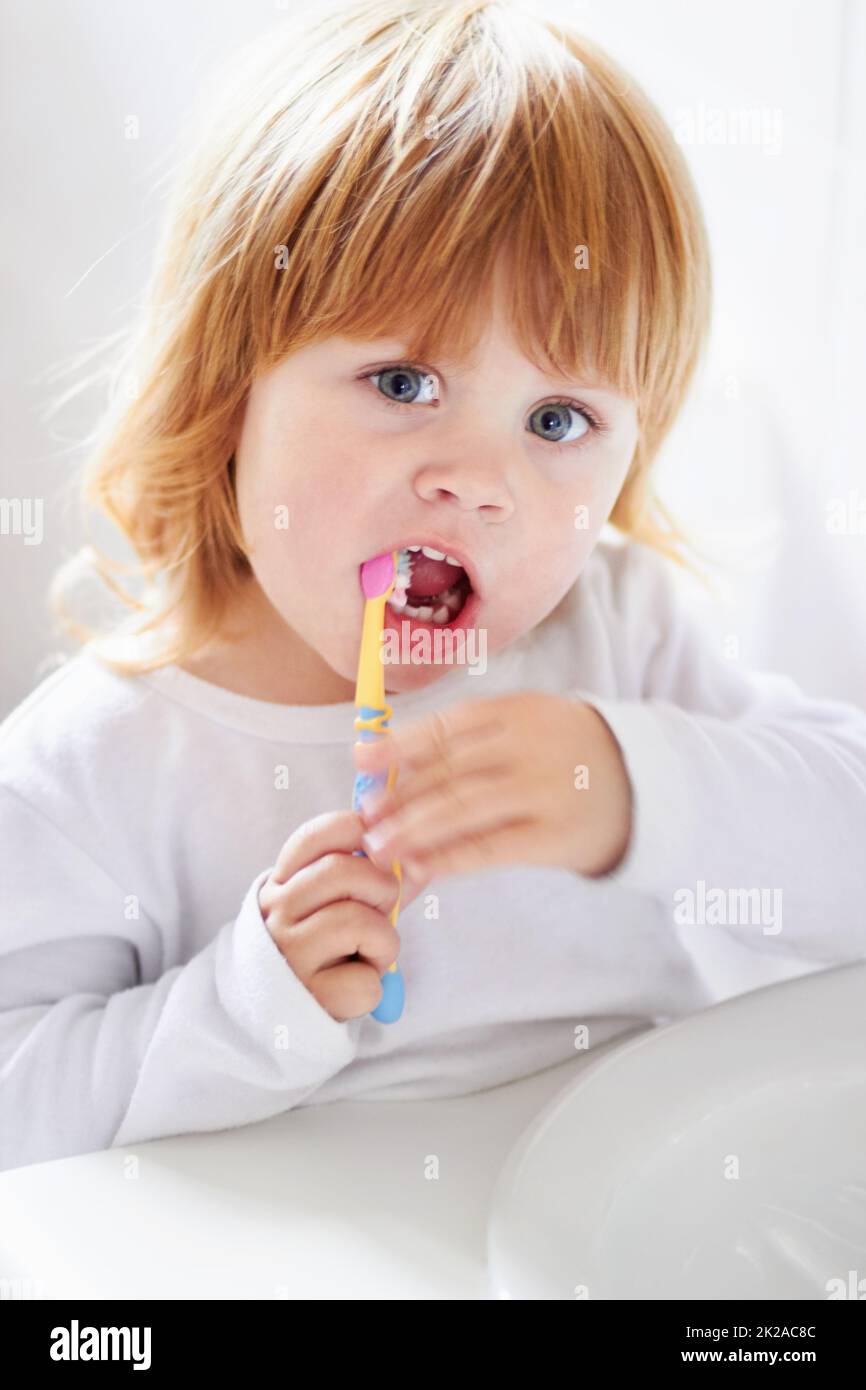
point(471, 478)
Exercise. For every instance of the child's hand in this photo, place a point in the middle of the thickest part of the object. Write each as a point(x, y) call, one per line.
point(327, 910)
point(499, 781)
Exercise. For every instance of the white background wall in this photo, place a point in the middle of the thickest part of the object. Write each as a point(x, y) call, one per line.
point(775, 426)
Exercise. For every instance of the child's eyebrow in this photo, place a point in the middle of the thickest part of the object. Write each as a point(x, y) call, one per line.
point(403, 353)
point(587, 383)
point(456, 367)
point(603, 388)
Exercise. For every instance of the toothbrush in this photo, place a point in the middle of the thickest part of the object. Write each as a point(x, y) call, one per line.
point(380, 577)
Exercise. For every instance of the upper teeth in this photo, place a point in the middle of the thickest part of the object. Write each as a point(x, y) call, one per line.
point(435, 554)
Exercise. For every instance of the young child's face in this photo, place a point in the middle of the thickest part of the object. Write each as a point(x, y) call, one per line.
point(476, 474)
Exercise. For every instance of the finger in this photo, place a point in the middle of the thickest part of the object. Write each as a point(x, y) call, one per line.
point(485, 754)
point(348, 991)
point(434, 737)
point(331, 879)
point(333, 830)
point(461, 806)
point(336, 933)
point(523, 842)
point(411, 886)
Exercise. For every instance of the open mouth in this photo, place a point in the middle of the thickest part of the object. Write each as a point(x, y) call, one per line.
point(435, 588)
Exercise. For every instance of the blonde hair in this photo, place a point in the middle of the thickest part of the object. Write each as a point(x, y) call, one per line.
point(361, 172)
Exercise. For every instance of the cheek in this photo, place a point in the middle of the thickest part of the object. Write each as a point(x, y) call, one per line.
point(565, 531)
point(597, 484)
point(306, 489)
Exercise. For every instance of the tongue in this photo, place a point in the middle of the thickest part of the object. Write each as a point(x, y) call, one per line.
point(431, 577)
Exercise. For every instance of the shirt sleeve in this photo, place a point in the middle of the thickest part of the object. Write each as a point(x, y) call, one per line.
point(749, 797)
point(93, 1058)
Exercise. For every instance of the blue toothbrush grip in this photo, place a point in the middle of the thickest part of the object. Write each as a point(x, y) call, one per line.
point(390, 1006)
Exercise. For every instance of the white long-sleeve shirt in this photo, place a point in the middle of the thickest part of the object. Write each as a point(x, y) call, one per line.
point(142, 995)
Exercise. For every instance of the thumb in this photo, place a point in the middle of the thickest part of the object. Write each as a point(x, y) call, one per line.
point(411, 887)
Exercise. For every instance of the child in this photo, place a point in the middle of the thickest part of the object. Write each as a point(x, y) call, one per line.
point(434, 276)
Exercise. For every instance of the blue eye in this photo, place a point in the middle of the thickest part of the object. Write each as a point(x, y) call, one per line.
point(405, 385)
point(402, 386)
point(554, 420)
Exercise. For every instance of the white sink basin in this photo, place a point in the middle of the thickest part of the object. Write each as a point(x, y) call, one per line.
point(722, 1156)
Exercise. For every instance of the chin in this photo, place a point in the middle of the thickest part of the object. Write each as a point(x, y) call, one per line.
point(399, 680)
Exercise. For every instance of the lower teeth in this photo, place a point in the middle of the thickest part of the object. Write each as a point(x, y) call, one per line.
point(447, 605)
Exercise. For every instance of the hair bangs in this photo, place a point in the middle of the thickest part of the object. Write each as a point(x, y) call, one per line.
point(422, 209)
